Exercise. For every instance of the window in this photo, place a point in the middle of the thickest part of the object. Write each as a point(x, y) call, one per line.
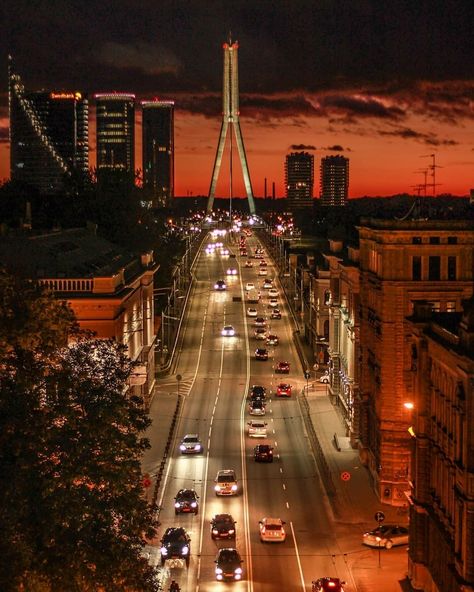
point(416, 240)
point(452, 240)
point(436, 306)
point(434, 240)
point(451, 306)
point(416, 268)
point(452, 268)
point(434, 268)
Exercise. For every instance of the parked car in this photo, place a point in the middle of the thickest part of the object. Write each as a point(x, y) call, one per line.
point(282, 368)
point(263, 453)
point(272, 530)
point(386, 535)
point(324, 378)
point(223, 527)
point(175, 544)
point(228, 565)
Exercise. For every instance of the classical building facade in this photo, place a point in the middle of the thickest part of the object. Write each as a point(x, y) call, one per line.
point(109, 290)
point(441, 551)
point(401, 262)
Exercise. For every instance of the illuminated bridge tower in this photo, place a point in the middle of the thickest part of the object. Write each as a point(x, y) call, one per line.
point(230, 118)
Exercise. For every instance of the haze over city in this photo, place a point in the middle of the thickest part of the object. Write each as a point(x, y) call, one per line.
point(383, 83)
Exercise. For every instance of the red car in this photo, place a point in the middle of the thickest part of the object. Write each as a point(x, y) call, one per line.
point(283, 390)
point(282, 368)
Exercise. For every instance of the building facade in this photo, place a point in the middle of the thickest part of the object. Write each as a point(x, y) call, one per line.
point(334, 187)
point(299, 180)
point(158, 150)
point(401, 262)
point(109, 290)
point(49, 136)
point(115, 120)
point(441, 551)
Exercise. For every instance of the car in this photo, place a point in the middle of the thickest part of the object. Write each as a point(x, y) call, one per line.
point(249, 286)
point(190, 444)
point(386, 535)
point(263, 453)
point(263, 263)
point(272, 530)
point(220, 285)
point(226, 482)
point(224, 252)
point(228, 331)
point(324, 378)
point(243, 253)
point(267, 284)
point(273, 292)
point(251, 312)
point(272, 339)
point(260, 333)
point(258, 392)
point(231, 271)
point(228, 564)
point(257, 407)
point(257, 428)
point(175, 544)
point(186, 501)
point(248, 263)
point(283, 390)
point(260, 322)
point(262, 271)
point(273, 303)
point(282, 368)
point(275, 314)
point(327, 584)
point(222, 527)
point(261, 354)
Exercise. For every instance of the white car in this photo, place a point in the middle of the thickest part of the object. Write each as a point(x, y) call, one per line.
point(257, 407)
point(273, 302)
point(190, 444)
point(262, 271)
point(260, 333)
point(267, 284)
point(224, 252)
point(249, 286)
point(228, 331)
point(251, 312)
point(231, 271)
point(273, 292)
point(226, 482)
point(257, 428)
point(324, 378)
point(272, 530)
point(386, 535)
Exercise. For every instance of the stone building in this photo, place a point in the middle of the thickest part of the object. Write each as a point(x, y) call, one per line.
point(109, 289)
point(401, 262)
point(441, 552)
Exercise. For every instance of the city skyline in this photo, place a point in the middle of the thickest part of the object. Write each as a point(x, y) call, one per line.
point(311, 79)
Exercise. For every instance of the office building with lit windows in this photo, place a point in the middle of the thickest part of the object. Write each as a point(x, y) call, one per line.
point(49, 136)
point(158, 150)
point(334, 181)
point(115, 116)
point(299, 180)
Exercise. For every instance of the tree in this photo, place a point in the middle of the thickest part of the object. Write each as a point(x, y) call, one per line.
point(72, 511)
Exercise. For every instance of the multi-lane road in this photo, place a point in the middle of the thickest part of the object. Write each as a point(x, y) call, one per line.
point(219, 371)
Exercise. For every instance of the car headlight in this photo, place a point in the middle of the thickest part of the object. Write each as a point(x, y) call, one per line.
point(185, 550)
point(194, 505)
point(182, 447)
point(164, 551)
point(231, 531)
point(219, 570)
point(215, 531)
point(217, 487)
point(197, 447)
point(234, 487)
point(238, 570)
point(177, 505)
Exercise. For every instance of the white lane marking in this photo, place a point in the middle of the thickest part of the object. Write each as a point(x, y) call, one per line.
point(210, 431)
point(281, 470)
point(298, 557)
point(276, 443)
point(284, 487)
point(287, 505)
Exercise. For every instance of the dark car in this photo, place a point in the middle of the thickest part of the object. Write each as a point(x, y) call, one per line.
point(327, 584)
point(257, 407)
point(263, 453)
point(258, 392)
point(219, 285)
point(228, 565)
point(275, 314)
point(282, 368)
point(186, 501)
point(261, 354)
point(175, 544)
point(223, 527)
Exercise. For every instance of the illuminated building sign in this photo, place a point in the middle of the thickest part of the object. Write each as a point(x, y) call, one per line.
point(62, 95)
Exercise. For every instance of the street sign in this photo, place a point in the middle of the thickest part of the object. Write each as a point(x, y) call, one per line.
point(178, 377)
point(345, 476)
point(307, 374)
point(379, 516)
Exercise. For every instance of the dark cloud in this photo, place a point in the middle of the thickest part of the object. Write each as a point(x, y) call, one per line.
point(302, 147)
point(334, 148)
point(145, 57)
point(410, 134)
point(360, 106)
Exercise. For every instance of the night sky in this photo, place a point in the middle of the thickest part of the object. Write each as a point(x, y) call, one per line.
point(384, 82)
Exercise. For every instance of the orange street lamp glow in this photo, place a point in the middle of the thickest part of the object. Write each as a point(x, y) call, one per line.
point(408, 405)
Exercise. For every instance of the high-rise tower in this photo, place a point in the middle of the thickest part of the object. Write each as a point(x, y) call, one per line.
point(115, 114)
point(230, 117)
point(334, 180)
point(158, 150)
point(299, 176)
point(49, 136)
